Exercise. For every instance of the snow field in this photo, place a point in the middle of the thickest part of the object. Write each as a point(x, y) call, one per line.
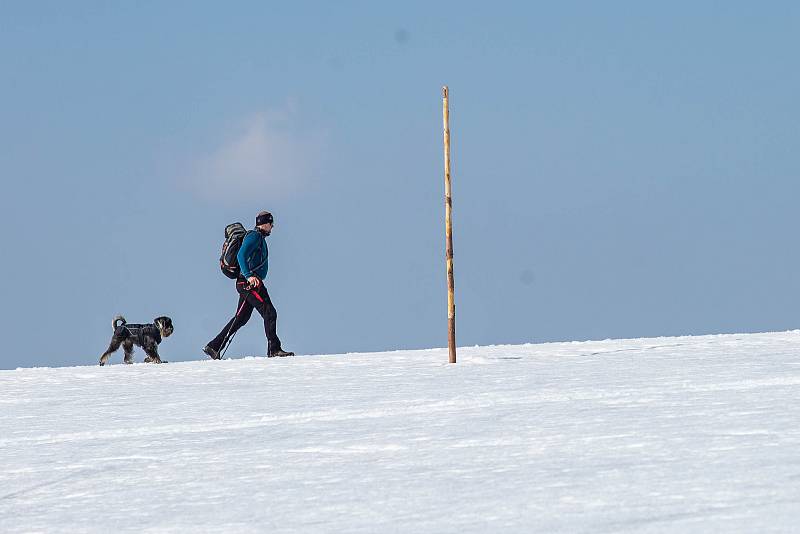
point(688, 434)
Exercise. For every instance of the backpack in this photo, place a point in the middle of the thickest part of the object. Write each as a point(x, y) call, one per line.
point(234, 235)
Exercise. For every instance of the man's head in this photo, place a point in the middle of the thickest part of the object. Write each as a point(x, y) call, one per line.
point(264, 222)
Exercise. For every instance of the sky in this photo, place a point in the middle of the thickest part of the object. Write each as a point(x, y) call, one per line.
point(620, 169)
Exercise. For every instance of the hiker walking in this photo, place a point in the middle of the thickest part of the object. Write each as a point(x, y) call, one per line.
point(250, 273)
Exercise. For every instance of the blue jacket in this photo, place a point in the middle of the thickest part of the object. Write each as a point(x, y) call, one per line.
point(253, 255)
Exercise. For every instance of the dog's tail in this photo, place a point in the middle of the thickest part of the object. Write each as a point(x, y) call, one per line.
point(118, 319)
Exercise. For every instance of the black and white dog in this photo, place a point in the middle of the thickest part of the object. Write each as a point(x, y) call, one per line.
point(147, 336)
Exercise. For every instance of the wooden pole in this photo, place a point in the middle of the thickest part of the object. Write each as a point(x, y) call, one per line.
point(448, 222)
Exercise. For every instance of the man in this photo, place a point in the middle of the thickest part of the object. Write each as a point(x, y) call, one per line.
point(252, 257)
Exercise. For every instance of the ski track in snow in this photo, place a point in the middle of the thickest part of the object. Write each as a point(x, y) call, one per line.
point(688, 434)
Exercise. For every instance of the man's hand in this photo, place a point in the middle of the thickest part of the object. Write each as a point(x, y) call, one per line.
point(253, 281)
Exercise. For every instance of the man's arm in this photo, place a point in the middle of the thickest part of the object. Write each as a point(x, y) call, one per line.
point(249, 243)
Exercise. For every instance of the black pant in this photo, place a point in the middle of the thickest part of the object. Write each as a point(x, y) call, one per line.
point(257, 298)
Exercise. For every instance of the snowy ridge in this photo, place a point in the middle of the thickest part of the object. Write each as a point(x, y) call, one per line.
point(682, 434)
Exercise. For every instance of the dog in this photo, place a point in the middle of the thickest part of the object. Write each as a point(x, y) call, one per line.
point(147, 336)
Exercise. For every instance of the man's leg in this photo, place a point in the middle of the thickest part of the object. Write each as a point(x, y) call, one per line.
point(261, 302)
point(243, 311)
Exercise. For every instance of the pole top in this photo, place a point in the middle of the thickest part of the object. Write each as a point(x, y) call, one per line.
point(444, 91)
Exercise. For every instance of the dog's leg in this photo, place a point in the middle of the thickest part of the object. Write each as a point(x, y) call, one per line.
point(151, 349)
point(112, 348)
point(127, 346)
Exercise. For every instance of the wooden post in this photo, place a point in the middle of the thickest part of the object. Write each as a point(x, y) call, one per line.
point(448, 222)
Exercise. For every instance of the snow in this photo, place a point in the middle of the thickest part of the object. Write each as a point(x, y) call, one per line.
point(684, 434)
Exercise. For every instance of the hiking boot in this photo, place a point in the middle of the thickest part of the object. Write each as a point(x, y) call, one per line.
point(280, 353)
point(211, 352)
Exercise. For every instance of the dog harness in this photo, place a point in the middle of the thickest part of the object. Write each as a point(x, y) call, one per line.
point(138, 332)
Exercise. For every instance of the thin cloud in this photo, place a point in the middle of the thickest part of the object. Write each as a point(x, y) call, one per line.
point(266, 153)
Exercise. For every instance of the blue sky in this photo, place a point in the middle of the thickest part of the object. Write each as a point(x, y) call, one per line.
point(620, 170)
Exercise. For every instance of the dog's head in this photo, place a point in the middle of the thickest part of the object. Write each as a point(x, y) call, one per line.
point(164, 325)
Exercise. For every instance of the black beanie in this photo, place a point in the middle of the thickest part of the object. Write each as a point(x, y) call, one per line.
point(263, 217)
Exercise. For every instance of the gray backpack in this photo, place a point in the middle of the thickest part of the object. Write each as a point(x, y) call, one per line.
point(234, 235)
